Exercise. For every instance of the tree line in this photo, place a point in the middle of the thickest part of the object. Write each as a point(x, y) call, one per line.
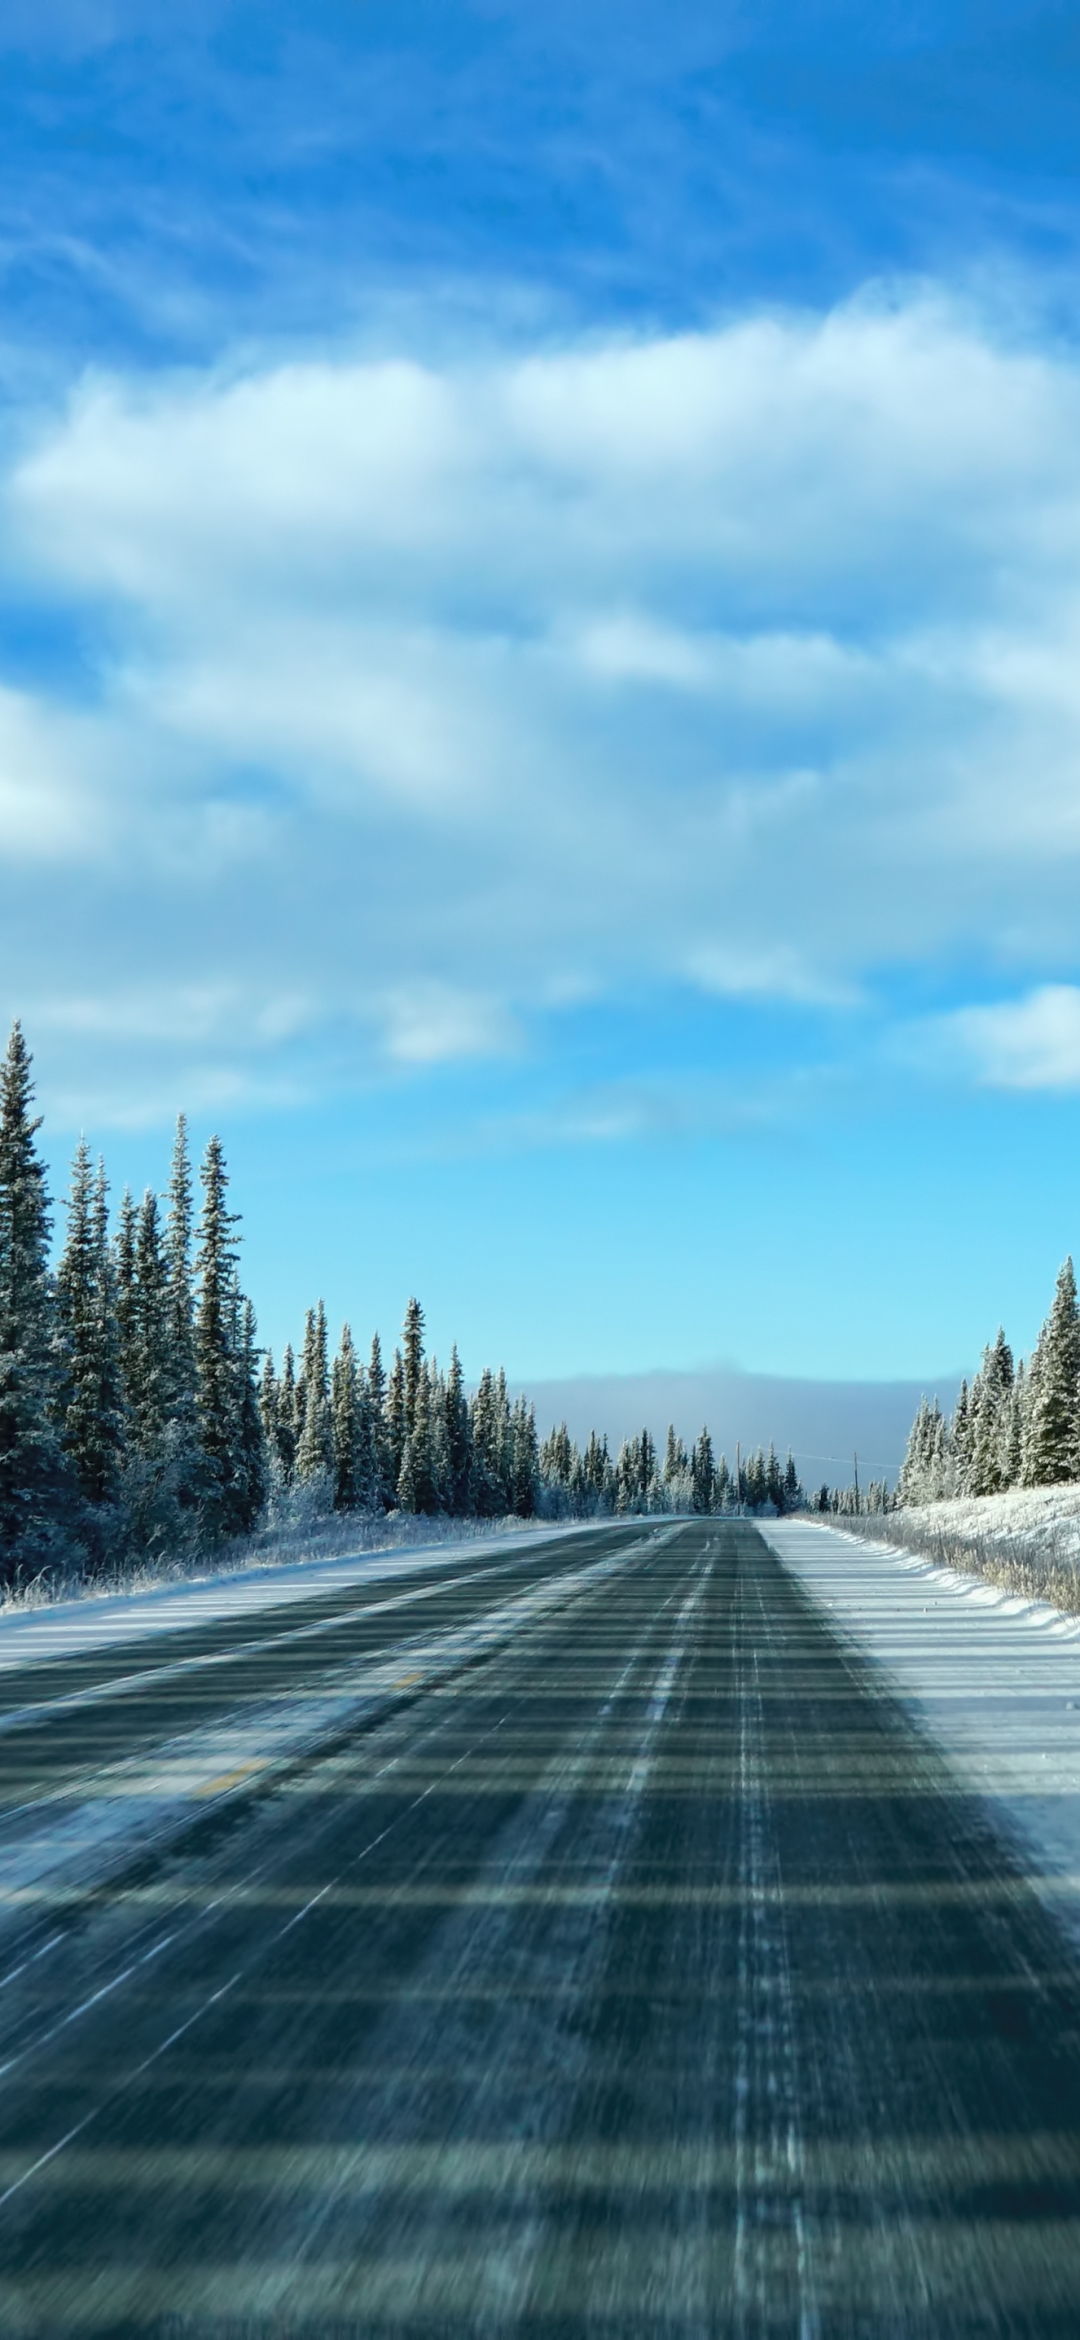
point(1017, 1424)
point(139, 1416)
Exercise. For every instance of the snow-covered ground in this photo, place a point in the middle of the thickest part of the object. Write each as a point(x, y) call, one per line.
point(60, 1628)
point(1042, 1521)
point(994, 1677)
point(60, 1842)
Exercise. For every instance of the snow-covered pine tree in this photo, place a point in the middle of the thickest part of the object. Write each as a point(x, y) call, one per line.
point(439, 1439)
point(345, 1422)
point(1011, 1432)
point(412, 1356)
point(150, 1396)
point(269, 1403)
point(702, 1472)
point(382, 1491)
point(792, 1492)
point(416, 1491)
point(722, 1493)
point(995, 1392)
point(1031, 1398)
point(676, 1460)
point(314, 1454)
point(287, 1435)
point(911, 1483)
point(1054, 1438)
point(459, 1446)
point(394, 1418)
point(219, 1363)
point(91, 1415)
point(37, 1516)
point(252, 1455)
point(960, 1438)
point(126, 1304)
point(485, 1443)
point(774, 1485)
point(185, 1451)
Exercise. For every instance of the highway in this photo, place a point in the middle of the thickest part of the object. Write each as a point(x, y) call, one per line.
point(631, 1968)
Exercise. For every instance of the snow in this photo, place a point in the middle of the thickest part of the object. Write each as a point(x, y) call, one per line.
point(63, 1628)
point(62, 1841)
point(1038, 1522)
point(993, 1676)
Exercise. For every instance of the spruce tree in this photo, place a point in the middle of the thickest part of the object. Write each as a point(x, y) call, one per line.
point(344, 1412)
point(219, 1374)
point(314, 1454)
point(412, 1346)
point(1054, 1442)
point(459, 1449)
point(251, 1471)
point(702, 1473)
point(180, 1306)
point(91, 1415)
point(382, 1484)
point(36, 1493)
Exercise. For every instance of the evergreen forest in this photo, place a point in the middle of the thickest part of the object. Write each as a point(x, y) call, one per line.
point(141, 1421)
point(1016, 1424)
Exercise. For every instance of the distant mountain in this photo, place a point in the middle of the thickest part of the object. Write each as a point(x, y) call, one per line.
point(825, 1423)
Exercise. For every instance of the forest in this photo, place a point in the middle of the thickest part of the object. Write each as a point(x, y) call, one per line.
point(141, 1421)
point(1017, 1424)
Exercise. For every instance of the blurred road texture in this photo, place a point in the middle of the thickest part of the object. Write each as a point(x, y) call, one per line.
point(643, 1974)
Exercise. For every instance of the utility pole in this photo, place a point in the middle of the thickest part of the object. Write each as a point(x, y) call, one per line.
point(738, 1477)
point(856, 1459)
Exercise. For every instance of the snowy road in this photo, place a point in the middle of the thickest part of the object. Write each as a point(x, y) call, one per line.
point(629, 1966)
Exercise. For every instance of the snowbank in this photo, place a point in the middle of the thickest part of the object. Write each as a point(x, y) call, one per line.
point(993, 1676)
point(1027, 1541)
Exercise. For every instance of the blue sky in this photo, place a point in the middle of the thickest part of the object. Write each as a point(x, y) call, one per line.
point(539, 653)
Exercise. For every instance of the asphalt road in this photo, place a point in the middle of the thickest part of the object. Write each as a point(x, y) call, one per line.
point(649, 1977)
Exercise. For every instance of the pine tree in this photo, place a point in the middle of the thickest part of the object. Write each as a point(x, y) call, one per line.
point(382, 1483)
point(36, 1495)
point(960, 1441)
point(251, 1473)
point(91, 1414)
point(287, 1432)
point(702, 1473)
point(344, 1408)
point(395, 1424)
point(218, 1364)
point(525, 1461)
point(995, 1392)
point(1054, 1439)
point(314, 1454)
point(183, 1377)
point(459, 1447)
point(412, 1359)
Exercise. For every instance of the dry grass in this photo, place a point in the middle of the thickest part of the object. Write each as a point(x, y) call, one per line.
point(1039, 1568)
point(337, 1537)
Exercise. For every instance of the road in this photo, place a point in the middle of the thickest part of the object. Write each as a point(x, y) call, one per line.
point(645, 1975)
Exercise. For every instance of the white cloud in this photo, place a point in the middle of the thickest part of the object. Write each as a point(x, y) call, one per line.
point(1030, 1043)
point(428, 695)
point(428, 1023)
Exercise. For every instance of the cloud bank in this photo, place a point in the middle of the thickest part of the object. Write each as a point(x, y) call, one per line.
point(410, 703)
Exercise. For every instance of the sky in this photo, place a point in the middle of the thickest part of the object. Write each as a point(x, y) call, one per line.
point(540, 657)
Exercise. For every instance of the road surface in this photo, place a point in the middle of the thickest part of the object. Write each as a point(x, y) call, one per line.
point(644, 1974)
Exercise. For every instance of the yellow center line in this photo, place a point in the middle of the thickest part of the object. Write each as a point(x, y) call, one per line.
point(228, 1779)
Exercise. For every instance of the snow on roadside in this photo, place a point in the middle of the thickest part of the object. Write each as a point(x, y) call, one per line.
point(993, 1676)
point(1044, 1521)
point(64, 1840)
point(63, 1628)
